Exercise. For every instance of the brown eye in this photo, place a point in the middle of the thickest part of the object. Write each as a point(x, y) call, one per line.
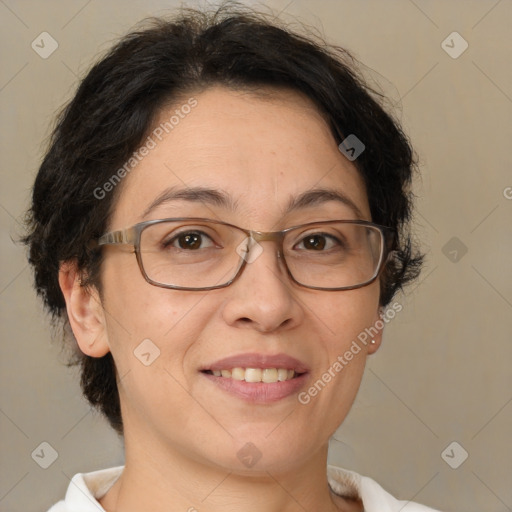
point(320, 243)
point(189, 241)
point(314, 242)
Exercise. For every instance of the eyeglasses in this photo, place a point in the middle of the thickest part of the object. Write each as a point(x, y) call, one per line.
point(206, 254)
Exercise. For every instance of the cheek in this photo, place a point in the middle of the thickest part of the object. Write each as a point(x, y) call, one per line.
point(152, 332)
point(345, 315)
point(341, 321)
point(142, 318)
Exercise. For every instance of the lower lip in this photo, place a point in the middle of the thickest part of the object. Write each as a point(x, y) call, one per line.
point(259, 392)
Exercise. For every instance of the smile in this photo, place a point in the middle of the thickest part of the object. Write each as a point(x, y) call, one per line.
point(267, 375)
point(258, 378)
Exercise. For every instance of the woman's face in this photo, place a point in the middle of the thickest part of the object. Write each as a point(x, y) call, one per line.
point(259, 154)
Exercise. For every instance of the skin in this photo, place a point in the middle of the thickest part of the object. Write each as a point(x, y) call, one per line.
point(182, 434)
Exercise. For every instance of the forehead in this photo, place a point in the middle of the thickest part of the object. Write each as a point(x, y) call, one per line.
point(260, 150)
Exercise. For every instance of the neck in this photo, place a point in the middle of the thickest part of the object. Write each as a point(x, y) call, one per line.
point(163, 481)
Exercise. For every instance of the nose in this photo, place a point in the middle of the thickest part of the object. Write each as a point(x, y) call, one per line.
point(263, 297)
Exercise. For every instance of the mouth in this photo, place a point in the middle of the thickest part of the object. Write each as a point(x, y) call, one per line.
point(258, 378)
point(267, 375)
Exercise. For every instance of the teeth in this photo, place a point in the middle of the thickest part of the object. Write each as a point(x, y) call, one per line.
point(253, 375)
point(238, 374)
point(268, 375)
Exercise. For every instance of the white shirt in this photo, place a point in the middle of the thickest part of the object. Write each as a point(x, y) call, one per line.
point(86, 488)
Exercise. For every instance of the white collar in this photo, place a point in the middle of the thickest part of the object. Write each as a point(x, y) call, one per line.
point(86, 488)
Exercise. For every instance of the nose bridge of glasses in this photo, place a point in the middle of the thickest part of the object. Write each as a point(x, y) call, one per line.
point(267, 236)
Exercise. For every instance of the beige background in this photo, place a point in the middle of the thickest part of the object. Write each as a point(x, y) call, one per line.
point(443, 374)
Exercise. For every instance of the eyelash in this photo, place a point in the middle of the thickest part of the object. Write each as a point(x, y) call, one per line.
point(327, 236)
point(175, 237)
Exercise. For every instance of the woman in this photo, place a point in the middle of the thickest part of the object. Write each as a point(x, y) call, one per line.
point(228, 219)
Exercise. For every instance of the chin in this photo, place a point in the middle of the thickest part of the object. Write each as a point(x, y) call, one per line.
point(261, 453)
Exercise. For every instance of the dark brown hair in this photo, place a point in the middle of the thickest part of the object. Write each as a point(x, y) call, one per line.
point(116, 103)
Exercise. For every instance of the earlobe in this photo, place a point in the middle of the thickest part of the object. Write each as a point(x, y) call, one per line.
point(85, 312)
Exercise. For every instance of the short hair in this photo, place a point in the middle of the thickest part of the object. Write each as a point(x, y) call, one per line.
point(162, 61)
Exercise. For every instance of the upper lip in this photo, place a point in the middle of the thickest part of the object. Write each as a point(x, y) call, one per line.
point(252, 360)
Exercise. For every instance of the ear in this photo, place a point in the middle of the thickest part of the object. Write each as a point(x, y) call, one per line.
point(377, 329)
point(85, 312)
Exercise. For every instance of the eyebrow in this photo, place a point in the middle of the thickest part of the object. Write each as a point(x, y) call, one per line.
point(319, 196)
point(193, 194)
point(218, 198)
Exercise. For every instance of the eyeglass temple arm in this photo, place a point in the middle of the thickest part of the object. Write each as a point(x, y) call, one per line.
point(121, 236)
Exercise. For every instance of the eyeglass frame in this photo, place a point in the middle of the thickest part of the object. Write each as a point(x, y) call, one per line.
point(132, 236)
